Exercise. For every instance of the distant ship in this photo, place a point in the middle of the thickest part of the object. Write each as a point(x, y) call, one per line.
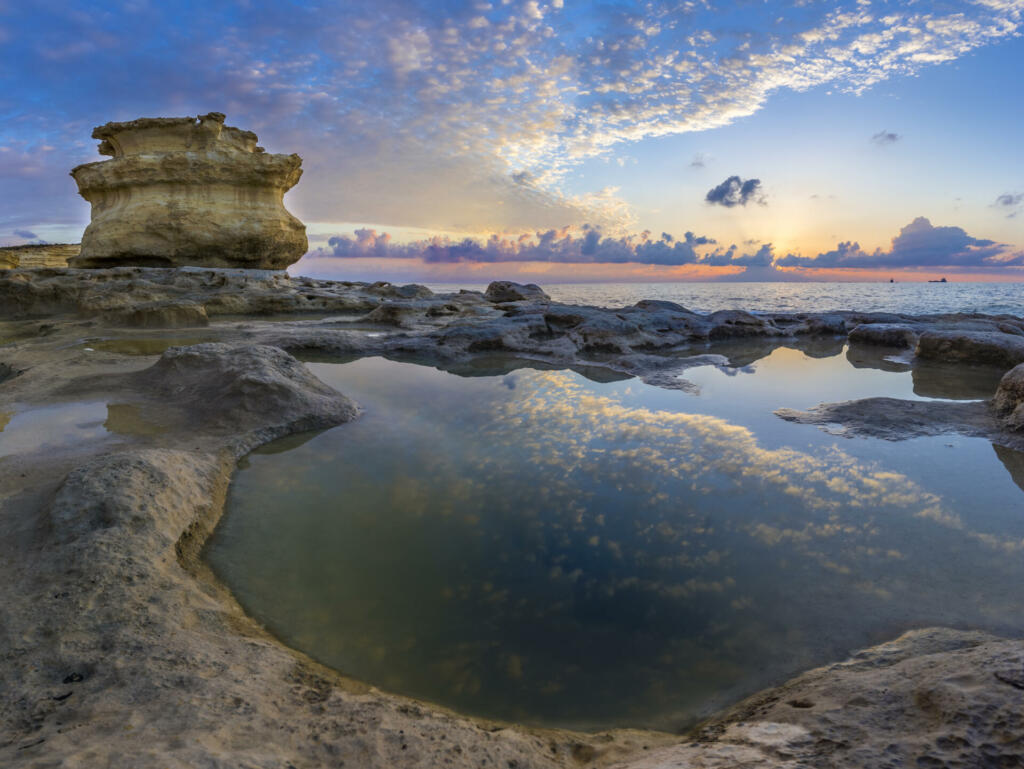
point(940, 280)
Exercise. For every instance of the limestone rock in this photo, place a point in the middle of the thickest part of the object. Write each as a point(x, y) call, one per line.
point(1009, 399)
point(886, 334)
point(235, 387)
point(188, 191)
point(991, 347)
point(38, 255)
point(507, 291)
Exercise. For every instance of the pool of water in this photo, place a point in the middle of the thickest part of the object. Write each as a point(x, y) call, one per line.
point(552, 547)
point(26, 429)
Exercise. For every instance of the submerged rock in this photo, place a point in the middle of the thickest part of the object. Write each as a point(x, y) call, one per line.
point(188, 191)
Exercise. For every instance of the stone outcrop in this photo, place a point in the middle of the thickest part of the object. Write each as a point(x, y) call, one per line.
point(188, 192)
point(38, 255)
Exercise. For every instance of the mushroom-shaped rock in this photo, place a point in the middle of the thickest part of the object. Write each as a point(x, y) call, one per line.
point(188, 192)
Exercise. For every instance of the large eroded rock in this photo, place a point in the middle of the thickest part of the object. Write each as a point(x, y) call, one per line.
point(188, 192)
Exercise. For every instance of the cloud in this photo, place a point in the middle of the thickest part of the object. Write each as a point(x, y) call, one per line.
point(699, 160)
point(884, 138)
point(564, 245)
point(734, 191)
point(918, 244)
point(418, 115)
point(1010, 204)
point(27, 234)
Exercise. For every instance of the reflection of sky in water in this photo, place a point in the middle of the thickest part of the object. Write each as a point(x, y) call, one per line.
point(539, 547)
point(41, 428)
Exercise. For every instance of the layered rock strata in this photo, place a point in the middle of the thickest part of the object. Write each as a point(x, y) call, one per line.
point(188, 192)
point(35, 256)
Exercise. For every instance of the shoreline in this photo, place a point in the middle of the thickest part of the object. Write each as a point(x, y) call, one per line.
point(121, 647)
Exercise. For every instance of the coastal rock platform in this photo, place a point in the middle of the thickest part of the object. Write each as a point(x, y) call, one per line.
point(120, 647)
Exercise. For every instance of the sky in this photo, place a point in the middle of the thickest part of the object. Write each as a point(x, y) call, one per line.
point(555, 140)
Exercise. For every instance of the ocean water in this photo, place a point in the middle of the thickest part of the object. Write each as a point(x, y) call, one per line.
point(570, 549)
point(911, 298)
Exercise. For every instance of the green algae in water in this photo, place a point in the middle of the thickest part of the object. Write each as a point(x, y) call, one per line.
point(539, 547)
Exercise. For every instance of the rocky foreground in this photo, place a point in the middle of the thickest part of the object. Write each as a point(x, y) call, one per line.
point(120, 648)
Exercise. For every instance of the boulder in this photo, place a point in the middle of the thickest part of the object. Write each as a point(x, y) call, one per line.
point(989, 347)
point(1009, 399)
point(234, 388)
point(506, 291)
point(188, 191)
point(885, 334)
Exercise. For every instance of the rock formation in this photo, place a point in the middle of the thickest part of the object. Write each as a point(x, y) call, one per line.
point(37, 255)
point(188, 192)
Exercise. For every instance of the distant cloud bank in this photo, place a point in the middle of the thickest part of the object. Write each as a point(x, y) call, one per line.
point(918, 245)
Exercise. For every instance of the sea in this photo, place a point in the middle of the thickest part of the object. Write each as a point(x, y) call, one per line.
point(908, 298)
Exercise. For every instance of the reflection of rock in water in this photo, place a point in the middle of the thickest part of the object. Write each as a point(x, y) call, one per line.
point(955, 382)
point(877, 357)
point(5, 419)
point(1013, 461)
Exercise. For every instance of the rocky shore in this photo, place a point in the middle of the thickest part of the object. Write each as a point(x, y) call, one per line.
point(120, 648)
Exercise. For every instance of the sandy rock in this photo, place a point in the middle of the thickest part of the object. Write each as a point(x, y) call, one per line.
point(1009, 398)
point(885, 334)
point(38, 255)
point(506, 291)
point(188, 191)
point(990, 347)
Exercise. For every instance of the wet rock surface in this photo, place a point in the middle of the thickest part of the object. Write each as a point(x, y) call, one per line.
point(120, 648)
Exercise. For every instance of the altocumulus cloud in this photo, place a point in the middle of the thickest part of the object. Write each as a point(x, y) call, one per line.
point(918, 244)
point(419, 114)
point(735, 191)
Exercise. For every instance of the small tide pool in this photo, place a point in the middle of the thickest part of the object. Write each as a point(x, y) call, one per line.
point(551, 547)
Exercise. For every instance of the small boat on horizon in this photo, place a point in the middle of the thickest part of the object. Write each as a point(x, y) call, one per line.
point(940, 280)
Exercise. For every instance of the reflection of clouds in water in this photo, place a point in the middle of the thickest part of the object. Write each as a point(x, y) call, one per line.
point(557, 551)
point(573, 430)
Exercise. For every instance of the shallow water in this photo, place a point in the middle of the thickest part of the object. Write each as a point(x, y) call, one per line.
point(537, 546)
point(27, 429)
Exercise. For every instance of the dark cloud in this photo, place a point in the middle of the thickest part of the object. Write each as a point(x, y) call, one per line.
point(883, 138)
point(561, 245)
point(763, 257)
point(734, 191)
point(919, 244)
point(27, 234)
point(1010, 204)
point(699, 160)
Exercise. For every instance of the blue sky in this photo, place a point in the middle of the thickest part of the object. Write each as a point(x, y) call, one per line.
point(537, 129)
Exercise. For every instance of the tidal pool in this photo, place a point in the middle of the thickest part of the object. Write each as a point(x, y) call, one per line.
point(537, 546)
